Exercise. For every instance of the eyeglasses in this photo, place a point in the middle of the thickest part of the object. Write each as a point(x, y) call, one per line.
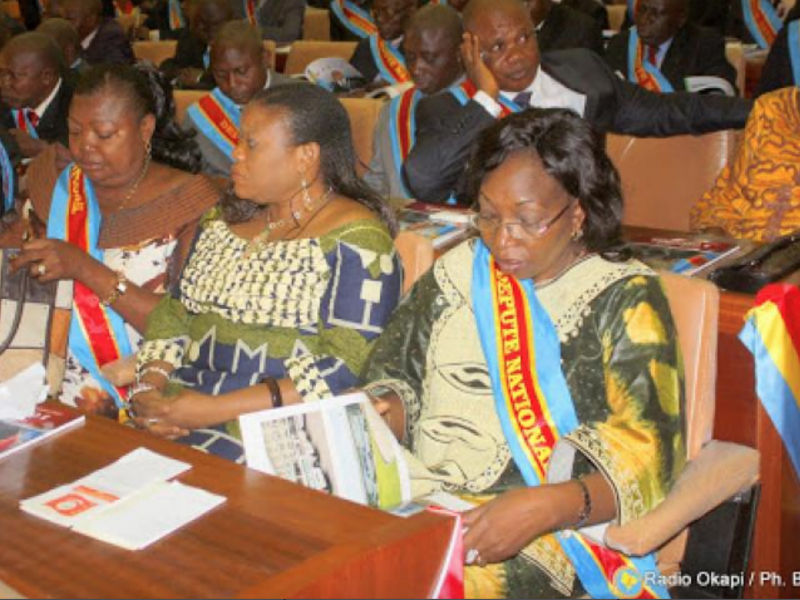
point(520, 229)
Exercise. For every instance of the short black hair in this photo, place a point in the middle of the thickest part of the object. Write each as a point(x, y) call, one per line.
point(40, 44)
point(438, 16)
point(314, 115)
point(572, 152)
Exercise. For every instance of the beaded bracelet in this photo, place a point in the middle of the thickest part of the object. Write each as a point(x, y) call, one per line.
point(154, 369)
point(586, 511)
point(274, 390)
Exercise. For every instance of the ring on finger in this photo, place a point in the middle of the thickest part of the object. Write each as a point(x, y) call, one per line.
point(473, 556)
point(41, 269)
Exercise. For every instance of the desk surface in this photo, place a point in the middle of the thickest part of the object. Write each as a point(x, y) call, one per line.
point(270, 539)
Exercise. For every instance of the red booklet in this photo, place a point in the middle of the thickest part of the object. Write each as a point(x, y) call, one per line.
point(48, 420)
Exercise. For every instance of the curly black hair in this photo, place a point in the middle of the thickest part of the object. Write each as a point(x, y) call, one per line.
point(313, 114)
point(572, 152)
point(149, 93)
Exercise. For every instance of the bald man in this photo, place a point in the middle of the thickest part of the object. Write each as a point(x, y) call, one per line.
point(64, 35)
point(102, 38)
point(502, 61)
point(670, 50)
point(240, 67)
point(189, 68)
point(433, 60)
point(35, 96)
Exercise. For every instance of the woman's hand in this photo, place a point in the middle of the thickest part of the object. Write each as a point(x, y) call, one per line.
point(390, 408)
point(184, 412)
point(474, 65)
point(499, 529)
point(53, 260)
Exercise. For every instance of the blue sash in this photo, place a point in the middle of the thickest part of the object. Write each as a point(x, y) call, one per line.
point(176, 18)
point(358, 21)
point(74, 194)
point(653, 79)
point(403, 129)
point(535, 408)
point(466, 90)
point(389, 60)
point(762, 21)
point(22, 121)
point(793, 39)
point(8, 175)
point(217, 117)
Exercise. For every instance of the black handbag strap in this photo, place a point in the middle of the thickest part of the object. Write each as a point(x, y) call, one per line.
point(23, 292)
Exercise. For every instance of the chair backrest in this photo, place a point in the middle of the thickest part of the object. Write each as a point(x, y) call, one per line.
point(272, 48)
point(184, 99)
point(417, 255)
point(155, 52)
point(317, 24)
point(695, 309)
point(11, 8)
point(734, 52)
point(662, 178)
point(128, 22)
point(616, 15)
point(304, 52)
point(363, 113)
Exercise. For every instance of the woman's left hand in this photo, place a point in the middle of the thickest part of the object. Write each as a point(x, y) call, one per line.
point(53, 260)
point(499, 529)
point(183, 412)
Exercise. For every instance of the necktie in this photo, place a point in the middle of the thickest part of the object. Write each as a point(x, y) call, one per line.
point(33, 118)
point(652, 55)
point(523, 99)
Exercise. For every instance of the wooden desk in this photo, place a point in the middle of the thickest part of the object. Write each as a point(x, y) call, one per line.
point(740, 418)
point(270, 539)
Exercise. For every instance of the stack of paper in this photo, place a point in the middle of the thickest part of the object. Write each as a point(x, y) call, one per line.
point(131, 503)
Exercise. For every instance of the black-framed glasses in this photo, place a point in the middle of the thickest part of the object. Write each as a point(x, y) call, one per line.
point(519, 229)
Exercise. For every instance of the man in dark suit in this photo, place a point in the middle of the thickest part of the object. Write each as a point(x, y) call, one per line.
point(35, 97)
point(559, 27)
point(189, 68)
point(64, 35)
point(102, 38)
point(391, 18)
point(672, 45)
point(502, 61)
point(240, 66)
point(279, 20)
point(778, 71)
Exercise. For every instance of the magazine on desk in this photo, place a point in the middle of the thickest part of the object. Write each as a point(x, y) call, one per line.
point(442, 225)
point(48, 420)
point(683, 255)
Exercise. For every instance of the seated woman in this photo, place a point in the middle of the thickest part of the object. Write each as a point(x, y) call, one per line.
point(120, 220)
point(758, 197)
point(535, 372)
point(287, 285)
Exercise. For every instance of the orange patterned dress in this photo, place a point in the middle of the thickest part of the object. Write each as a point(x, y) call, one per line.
point(758, 198)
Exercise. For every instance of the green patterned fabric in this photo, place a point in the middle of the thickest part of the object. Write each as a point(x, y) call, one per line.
point(622, 364)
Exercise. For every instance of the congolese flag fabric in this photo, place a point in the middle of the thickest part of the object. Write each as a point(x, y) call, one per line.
point(772, 334)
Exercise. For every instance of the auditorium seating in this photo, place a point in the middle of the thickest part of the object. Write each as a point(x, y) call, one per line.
point(663, 177)
point(734, 52)
point(304, 52)
point(317, 24)
point(155, 52)
point(616, 15)
point(363, 113)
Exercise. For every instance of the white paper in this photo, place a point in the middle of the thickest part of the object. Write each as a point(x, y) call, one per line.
point(149, 515)
point(20, 394)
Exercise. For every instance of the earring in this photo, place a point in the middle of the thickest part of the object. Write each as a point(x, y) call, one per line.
point(148, 148)
point(576, 236)
point(306, 196)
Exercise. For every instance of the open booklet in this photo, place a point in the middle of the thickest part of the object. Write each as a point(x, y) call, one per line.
point(685, 255)
point(130, 503)
point(340, 446)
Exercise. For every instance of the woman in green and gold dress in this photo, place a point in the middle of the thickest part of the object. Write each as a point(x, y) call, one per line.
point(283, 293)
point(536, 373)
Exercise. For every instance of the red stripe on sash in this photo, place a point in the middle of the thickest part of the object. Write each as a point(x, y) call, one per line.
point(394, 66)
point(619, 572)
point(645, 79)
point(219, 119)
point(470, 90)
point(368, 27)
point(404, 125)
point(763, 24)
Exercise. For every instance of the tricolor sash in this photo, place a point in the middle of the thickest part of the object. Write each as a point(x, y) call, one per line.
point(358, 21)
point(23, 122)
point(8, 174)
point(466, 90)
point(403, 128)
point(793, 39)
point(217, 117)
point(389, 60)
point(250, 11)
point(772, 334)
point(176, 18)
point(632, 6)
point(642, 72)
point(96, 334)
point(762, 21)
point(535, 408)
point(125, 7)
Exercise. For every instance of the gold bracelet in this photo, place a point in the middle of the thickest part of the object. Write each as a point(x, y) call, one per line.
point(119, 289)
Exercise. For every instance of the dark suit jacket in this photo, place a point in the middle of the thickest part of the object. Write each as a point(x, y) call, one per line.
point(189, 54)
point(280, 20)
point(52, 125)
point(566, 28)
point(777, 71)
point(694, 51)
point(593, 8)
point(706, 13)
point(158, 19)
point(363, 60)
point(446, 130)
point(110, 45)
